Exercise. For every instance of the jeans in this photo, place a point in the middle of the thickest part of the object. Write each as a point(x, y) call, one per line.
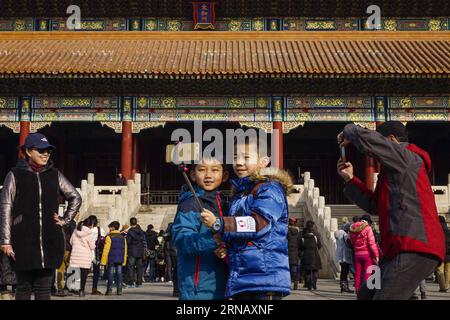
point(400, 276)
point(96, 275)
point(423, 286)
point(38, 281)
point(135, 263)
point(117, 269)
point(152, 269)
point(295, 272)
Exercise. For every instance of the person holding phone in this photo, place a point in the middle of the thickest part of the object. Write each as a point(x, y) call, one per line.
point(412, 240)
point(30, 229)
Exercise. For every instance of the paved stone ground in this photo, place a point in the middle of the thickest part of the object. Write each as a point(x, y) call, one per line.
point(327, 290)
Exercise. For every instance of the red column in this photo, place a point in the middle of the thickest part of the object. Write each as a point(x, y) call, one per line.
point(24, 133)
point(278, 125)
point(127, 149)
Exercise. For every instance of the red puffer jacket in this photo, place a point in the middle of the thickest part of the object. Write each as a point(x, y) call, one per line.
point(363, 240)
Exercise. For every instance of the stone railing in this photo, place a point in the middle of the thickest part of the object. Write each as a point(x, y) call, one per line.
point(118, 202)
point(315, 210)
point(168, 197)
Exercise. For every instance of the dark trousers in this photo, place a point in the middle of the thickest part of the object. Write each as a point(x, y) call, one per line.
point(175, 274)
point(345, 269)
point(83, 274)
point(401, 276)
point(169, 266)
point(96, 275)
point(161, 270)
point(135, 264)
point(38, 281)
point(117, 269)
point(250, 295)
point(311, 278)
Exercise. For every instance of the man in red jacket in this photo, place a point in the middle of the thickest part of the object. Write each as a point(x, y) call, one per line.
point(412, 240)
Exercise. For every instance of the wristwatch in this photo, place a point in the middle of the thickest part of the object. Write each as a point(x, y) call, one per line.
point(217, 225)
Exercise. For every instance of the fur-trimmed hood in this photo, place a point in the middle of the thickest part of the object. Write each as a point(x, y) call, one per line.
point(275, 174)
point(357, 227)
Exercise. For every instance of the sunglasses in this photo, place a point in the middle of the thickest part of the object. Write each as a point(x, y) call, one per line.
point(42, 151)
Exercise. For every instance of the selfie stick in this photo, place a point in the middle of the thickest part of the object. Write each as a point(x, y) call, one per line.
point(183, 169)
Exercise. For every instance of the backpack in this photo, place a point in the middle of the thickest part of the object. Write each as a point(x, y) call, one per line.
point(99, 245)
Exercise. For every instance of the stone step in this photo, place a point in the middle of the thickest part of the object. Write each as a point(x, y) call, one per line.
point(340, 211)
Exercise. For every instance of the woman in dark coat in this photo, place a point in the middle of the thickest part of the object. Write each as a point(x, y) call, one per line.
point(31, 231)
point(309, 246)
point(293, 237)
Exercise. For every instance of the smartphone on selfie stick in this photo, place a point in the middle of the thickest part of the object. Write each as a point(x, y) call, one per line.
point(181, 153)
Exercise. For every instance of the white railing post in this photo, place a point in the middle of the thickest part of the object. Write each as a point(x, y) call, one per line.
point(327, 219)
point(137, 182)
point(116, 210)
point(334, 225)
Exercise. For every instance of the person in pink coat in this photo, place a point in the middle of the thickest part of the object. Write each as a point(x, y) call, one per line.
point(365, 248)
point(83, 246)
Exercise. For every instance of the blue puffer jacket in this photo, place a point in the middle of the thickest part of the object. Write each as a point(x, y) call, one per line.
point(258, 261)
point(201, 274)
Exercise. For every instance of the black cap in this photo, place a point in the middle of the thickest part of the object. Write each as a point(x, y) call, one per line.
point(396, 128)
point(367, 218)
point(37, 141)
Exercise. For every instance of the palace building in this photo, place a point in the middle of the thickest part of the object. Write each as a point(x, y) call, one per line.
point(110, 93)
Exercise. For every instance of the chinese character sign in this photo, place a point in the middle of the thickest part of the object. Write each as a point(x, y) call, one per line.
point(204, 15)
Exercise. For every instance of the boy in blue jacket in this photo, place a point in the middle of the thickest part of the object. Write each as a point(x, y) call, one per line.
point(201, 267)
point(255, 229)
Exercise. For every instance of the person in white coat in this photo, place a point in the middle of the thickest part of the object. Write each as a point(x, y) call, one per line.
point(344, 255)
point(83, 246)
point(98, 234)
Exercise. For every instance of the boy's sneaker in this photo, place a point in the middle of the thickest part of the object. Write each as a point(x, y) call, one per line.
point(169, 282)
point(108, 292)
point(131, 286)
point(162, 279)
point(119, 292)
